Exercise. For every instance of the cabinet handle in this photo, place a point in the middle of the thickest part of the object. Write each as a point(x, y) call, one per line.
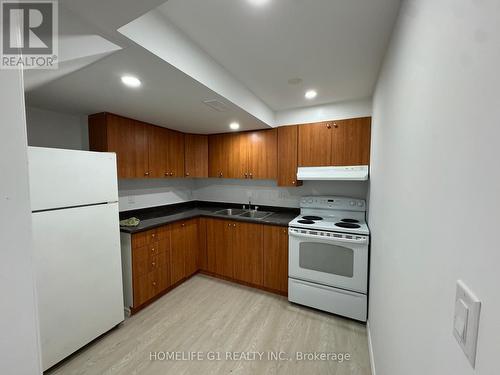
point(328, 126)
point(187, 174)
point(183, 225)
point(234, 225)
point(229, 225)
point(293, 182)
point(152, 249)
point(153, 235)
point(246, 175)
point(171, 173)
point(166, 174)
point(154, 283)
point(146, 173)
point(220, 174)
point(335, 125)
point(251, 175)
point(153, 264)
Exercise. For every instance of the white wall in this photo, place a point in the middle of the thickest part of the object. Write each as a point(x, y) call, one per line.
point(19, 348)
point(265, 192)
point(325, 112)
point(435, 183)
point(141, 193)
point(55, 129)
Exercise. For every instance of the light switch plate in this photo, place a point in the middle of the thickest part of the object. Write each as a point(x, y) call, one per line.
point(466, 320)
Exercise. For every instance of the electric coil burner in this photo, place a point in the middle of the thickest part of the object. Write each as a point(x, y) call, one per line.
point(305, 222)
point(347, 225)
point(315, 218)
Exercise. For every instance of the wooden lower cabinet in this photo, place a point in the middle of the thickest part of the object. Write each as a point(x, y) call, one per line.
point(150, 264)
point(248, 252)
point(276, 258)
point(184, 256)
point(254, 254)
point(219, 247)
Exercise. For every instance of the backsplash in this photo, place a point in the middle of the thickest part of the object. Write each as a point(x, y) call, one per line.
point(266, 192)
point(142, 193)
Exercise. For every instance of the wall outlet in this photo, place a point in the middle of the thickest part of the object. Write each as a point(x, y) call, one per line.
point(466, 321)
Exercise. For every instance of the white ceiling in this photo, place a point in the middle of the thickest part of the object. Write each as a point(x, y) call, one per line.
point(167, 97)
point(334, 46)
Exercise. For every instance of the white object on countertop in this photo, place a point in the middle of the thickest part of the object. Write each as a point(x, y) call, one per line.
point(351, 173)
point(77, 257)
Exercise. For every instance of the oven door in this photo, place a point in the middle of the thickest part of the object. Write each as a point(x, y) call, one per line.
point(328, 258)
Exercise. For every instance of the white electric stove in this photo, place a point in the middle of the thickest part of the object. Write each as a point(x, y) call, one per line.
point(328, 256)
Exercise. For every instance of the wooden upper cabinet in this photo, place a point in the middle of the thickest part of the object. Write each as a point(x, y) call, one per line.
point(262, 154)
point(288, 159)
point(315, 144)
point(126, 137)
point(276, 258)
point(351, 141)
point(158, 159)
point(196, 155)
point(175, 154)
point(218, 160)
point(248, 252)
point(237, 153)
point(335, 143)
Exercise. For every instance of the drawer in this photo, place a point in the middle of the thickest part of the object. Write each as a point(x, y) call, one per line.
point(145, 261)
point(150, 285)
point(151, 236)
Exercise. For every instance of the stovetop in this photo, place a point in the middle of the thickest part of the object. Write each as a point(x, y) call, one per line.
point(334, 214)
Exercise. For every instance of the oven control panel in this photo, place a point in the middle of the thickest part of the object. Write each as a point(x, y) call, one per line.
point(335, 203)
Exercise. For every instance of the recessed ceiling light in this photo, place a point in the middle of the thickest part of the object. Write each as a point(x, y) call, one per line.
point(311, 94)
point(234, 126)
point(258, 3)
point(131, 81)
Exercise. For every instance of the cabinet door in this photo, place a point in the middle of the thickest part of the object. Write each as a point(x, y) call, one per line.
point(177, 252)
point(218, 160)
point(129, 140)
point(219, 247)
point(276, 258)
point(351, 142)
point(196, 155)
point(175, 154)
point(191, 244)
point(158, 143)
point(287, 156)
point(202, 245)
point(315, 145)
point(236, 150)
point(263, 154)
point(248, 255)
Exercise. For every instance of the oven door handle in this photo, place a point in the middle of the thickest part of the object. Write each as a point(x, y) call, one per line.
point(332, 239)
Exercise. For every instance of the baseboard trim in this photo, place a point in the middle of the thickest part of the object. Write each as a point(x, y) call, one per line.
point(370, 348)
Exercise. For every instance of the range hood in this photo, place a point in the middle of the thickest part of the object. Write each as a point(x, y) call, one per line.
point(354, 173)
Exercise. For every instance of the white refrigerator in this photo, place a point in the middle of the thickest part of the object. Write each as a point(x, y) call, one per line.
point(74, 200)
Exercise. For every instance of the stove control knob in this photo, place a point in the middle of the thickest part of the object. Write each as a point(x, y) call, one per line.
point(352, 203)
point(360, 204)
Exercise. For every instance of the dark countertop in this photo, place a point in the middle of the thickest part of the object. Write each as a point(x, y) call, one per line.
point(157, 216)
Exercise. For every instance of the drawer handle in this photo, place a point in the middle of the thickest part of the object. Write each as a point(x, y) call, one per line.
point(153, 250)
point(154, 283)
point(153, 264)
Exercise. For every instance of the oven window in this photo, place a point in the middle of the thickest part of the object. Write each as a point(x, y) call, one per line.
point(322, 257)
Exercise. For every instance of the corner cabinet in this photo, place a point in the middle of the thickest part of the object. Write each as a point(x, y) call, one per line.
point(142, 150)
point(335, 143)
point(196, 155)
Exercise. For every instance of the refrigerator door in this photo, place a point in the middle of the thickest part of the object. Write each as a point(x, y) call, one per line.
point(69, 178)
point(78, 277)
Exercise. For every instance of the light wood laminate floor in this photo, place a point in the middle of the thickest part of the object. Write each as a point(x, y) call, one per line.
point(209, 315)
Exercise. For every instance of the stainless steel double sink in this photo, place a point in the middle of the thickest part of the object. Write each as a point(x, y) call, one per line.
point(253, 214)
